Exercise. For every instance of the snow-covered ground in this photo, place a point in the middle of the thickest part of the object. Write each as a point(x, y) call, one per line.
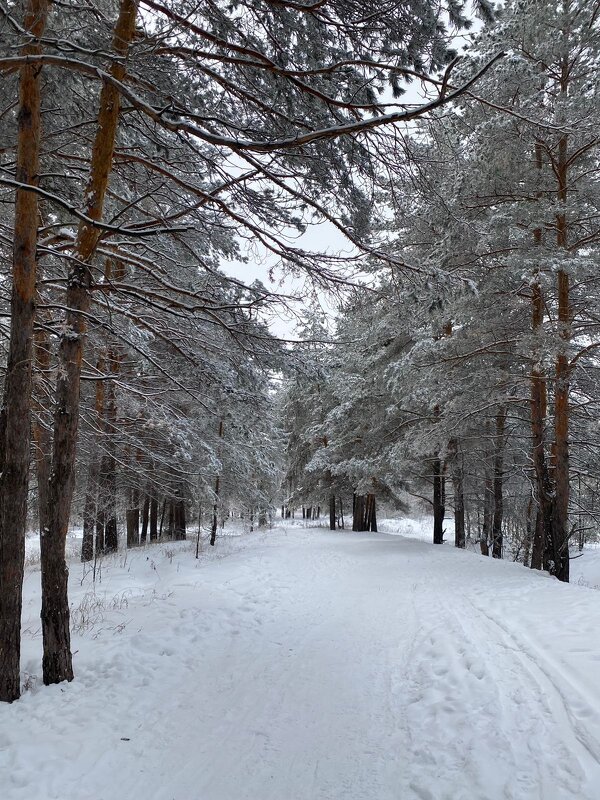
point(299, 664)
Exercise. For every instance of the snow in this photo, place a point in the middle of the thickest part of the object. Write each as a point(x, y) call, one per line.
point(302, 664)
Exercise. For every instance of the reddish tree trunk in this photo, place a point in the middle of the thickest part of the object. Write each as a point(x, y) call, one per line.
point(57, 661)
point(16, 412)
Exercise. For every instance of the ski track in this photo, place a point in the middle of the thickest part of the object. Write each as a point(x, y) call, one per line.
point(300, 664)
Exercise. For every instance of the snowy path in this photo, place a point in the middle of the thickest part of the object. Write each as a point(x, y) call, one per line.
point(307, 665)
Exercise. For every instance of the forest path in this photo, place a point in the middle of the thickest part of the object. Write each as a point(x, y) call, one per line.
point(300, 664)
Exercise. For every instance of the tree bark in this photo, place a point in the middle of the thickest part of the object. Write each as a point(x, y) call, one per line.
point(145, 516)
point(459, 497)
point(358, 512)
point(213, 530)
point(497, 541)
point(57, 661)
point(41, 432)
point(439, 510)
point(332, 515)
point(133, 525)
point(153, 517)
point(560, 528)
point(90, 511)
point(16, 412)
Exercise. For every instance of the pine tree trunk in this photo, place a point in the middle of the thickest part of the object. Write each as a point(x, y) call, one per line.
point(459, 497)
point(544, 523)
point(153, 517)
point(145, 515)
point(488, 495)
point(162, 519)
point(171, 522)
point(213, 531)
point(41, 433)
point(543, 526)
point(108, 482)
point(530, 532)
point(16, 411)
point(90, 511)
point(372, 520)
point(99, 531)
point(57, 660)
point(438, 502)
point(358, 517)
point(133, 520)
point(562, 384)
point(497, 541)
point(93, 525)
point(332, 519)
point(179, 517)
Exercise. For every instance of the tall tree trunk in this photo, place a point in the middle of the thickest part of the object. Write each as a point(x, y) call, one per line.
point(153, 516)
point(439, 510)
point(459, 497)
point(145, 516)
point(358, 515)
point(90, 511)
point(132, 517)
point(539, 403)
point(93, 523)
point(371, 520)
point(57, 661)
point(162, 519)
point(16, 412)
point(497, 541)
point(213, 531)
point(108, 482)
point(179, 517)
point(332, 519)
point(41, 432)
point(543, 525)
point(488, 502)
point(563, 375)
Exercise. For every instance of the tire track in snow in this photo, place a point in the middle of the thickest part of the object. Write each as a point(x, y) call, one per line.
point(536, 662)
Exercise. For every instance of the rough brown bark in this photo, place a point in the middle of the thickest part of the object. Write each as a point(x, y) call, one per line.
point(57, 661)
point(543, 526)
point(41, 432)
point(560, 528)
point(15, 446)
